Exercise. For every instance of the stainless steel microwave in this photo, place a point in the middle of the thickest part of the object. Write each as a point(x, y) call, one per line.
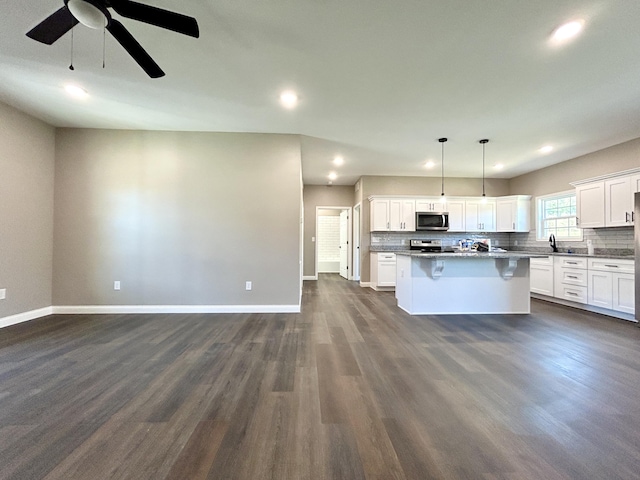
point(432, 221)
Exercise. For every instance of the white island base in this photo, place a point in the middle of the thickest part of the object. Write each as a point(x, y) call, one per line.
point(462, 284)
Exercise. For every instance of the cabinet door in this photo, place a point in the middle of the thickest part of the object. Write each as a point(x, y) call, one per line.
point(472, 216)
point(386, 274)
point(456, 210)
point(409, 216)
point(395, 215)
point(434, 204)
point(379, 216)
point(617, 201)
point(601, 289)
point(541, 279)
point(488, 216)
point(623, 292)
point(506, 215)
point(590, 205)
point(635, 187)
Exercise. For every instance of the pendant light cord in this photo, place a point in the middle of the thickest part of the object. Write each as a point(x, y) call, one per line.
point(442, 140)
point(104, 43)
point(71, 64)
point(483, 142)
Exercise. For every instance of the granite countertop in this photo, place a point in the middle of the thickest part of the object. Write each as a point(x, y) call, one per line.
point(470, 254)
point(401, 249)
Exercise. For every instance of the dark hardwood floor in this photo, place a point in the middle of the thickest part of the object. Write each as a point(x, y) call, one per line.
point(351, 388)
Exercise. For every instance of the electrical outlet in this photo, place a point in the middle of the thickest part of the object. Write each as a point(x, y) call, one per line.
point(3, 293)
point(515, 243)
point(589, 242)
point(313, 239)
point(247, 286)
point(116, 285)
point(496, 243)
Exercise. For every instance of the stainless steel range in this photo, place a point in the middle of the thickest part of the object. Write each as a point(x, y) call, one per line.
point(426, 245)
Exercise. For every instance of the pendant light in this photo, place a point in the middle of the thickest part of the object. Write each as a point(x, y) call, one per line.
point(483, 142)
point(442, 141)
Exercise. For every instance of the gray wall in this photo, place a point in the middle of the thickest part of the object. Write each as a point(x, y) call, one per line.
point(320, 196)
point(180, 218)
point(26, 211)
point(557, 178)
point(373, 185)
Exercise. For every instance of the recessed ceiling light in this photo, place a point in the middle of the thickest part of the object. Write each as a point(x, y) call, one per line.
point(546, 149)
point(333, 176)
point(498, 166)
point(76, 91)
point(289, 99)
point(429, 164)
point(567, 31)
point(338, 161)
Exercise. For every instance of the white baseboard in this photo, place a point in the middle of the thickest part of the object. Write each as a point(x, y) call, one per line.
point(25, 316)
point(116, 309)
point(310, 277)
point(584, 306)
point(365, 284)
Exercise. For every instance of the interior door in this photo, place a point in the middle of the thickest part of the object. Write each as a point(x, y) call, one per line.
point(344, 244)
point(356, 243)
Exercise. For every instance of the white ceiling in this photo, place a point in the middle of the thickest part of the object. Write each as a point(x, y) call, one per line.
point(379, 80)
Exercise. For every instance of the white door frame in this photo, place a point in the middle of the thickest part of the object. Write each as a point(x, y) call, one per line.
point(349, 238)
point(357, 211)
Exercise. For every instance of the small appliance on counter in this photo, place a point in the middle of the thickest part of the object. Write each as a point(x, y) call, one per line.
point(426, 245)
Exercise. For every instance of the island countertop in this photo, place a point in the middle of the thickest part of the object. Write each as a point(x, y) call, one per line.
point(470, 255)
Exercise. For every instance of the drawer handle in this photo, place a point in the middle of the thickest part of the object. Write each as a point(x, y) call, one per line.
point(612, 266)
point(572, 293)
point(571, 263)
point(571, 276)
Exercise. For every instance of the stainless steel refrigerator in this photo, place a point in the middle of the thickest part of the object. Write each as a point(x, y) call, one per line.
point(636, 218)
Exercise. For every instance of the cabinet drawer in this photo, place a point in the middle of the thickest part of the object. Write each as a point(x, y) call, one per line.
point(386, 257)
point(571, 262)
point(611, 265)
point(573, 276)
point(541, 261)
point(572, 293)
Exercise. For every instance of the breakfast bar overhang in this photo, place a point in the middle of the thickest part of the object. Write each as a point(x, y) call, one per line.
point(462, 283)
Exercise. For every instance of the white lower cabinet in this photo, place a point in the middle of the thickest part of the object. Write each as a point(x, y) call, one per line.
point(611, 284)
point(570, 279)
point(623, 293)
point(605, 283)
point(541, 274)
point(383, 269)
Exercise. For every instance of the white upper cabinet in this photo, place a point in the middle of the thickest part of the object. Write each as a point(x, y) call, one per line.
point(480, 215)
point(513, 214)
point(590, 205)
point(392, 215)
point(379, 215)
point(434, 204)
point(618, 202)
point(456, 209)
point(607, 201)
point(402, 215)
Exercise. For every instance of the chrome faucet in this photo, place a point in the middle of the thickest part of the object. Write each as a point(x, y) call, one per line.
point(552, 242)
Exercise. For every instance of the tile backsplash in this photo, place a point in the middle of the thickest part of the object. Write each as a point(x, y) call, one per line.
point(618, 241)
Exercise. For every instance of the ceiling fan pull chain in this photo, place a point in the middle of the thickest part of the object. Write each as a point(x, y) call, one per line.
point(71, 64)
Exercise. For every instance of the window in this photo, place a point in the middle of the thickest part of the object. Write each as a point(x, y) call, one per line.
point(557, 215)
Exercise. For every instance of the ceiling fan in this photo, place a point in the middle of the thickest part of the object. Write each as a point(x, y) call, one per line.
point(95, 14)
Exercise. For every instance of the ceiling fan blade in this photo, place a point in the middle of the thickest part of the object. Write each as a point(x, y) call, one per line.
point(53, 27)
point(136, 51)
point(157, 16)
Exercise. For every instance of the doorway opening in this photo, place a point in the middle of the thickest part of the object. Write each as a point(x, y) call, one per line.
point(333, 241)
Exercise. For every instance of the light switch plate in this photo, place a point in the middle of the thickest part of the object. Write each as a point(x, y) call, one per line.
point(248, 286)
point(3, 293)
point(116, 285)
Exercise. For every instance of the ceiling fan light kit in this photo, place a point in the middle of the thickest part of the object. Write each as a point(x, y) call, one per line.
point(95, 14)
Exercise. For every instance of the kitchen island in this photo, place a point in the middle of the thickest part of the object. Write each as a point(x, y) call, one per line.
point(464, 282)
